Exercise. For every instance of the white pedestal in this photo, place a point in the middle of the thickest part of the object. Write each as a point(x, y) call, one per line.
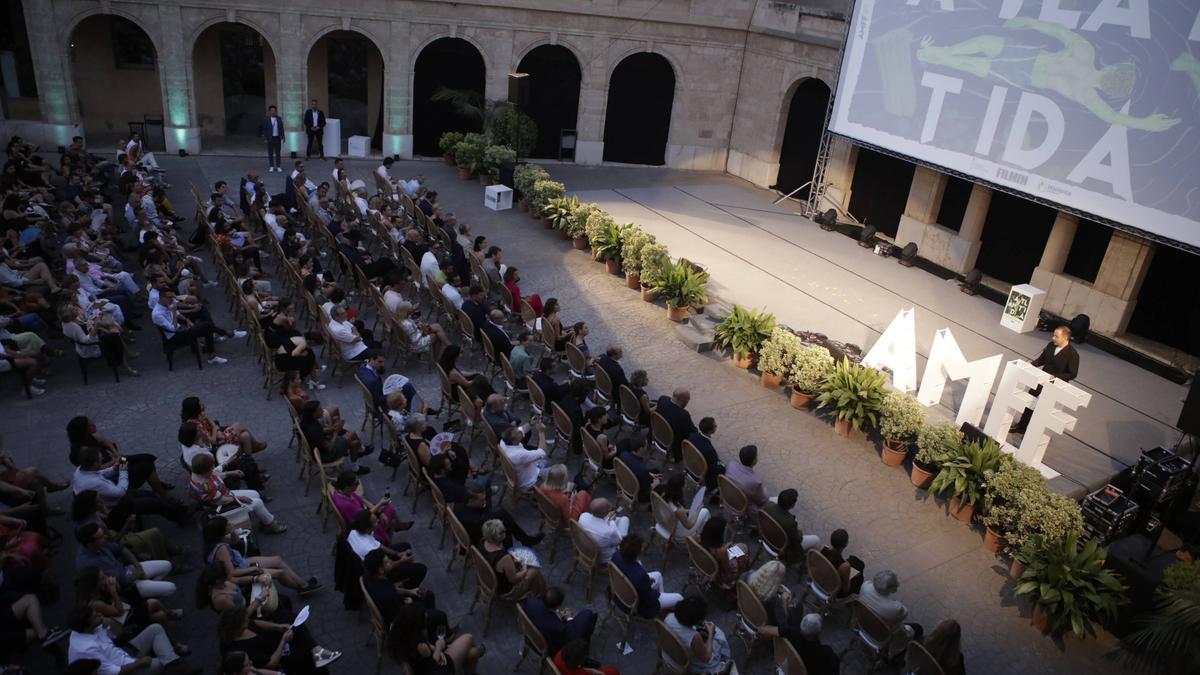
point(498, 197)
point(358, 146)
point(1021, 312)
point(332, 142)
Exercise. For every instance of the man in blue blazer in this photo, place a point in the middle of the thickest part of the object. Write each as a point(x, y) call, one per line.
point(558, 626)
point(271, 131)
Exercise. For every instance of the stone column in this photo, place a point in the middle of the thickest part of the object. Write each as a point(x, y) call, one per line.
point(56, 95)
point(593, 98)
point(918, 223)
point(839, 172)
point(1119, 280)
point(181, 127)
point(397, 100)
point(971, 230)
point(925, 195)
point(290, 80)
point(1058, 246)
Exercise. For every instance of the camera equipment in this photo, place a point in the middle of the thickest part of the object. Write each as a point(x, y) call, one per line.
point(1108, 514)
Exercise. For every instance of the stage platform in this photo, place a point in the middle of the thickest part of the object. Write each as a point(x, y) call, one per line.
point(765, 255)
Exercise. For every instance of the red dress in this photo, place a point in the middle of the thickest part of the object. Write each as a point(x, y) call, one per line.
point(535, 300)
point(567, 670)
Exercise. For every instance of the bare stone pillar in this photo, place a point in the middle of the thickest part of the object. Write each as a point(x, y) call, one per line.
point(397, 99)
point(56, 93)
point(290, 76)
point(839, 171)
point(925, 195)
point(1058, 246)
point(181, 128)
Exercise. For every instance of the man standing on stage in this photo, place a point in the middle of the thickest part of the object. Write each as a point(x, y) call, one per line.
point(1060, 360)
point(314, 126)
point(271, 131)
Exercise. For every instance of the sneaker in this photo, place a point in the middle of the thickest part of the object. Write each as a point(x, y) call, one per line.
point(39, 381)
point(36, 391)
point(330, 658)
point(209, 284)
point(54, 635)
point(217, 360)
point(362, 471)
point(219, 338)
point(238, 334)
point(312, 587)
point(313, 384)
point(367, 449)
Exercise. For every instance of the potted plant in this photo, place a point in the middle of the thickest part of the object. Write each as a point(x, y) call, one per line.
point(1070, 586)
point(576, 230)
point(961, 476)
point(558, 213)
point(468, 153)
point(744, 331)
point(594, 225)
point(1169, 641)
point(542, 193)
point(806, 372)
point(1007, 490)
point(775, 355)
point(900, 420)
point(632, 243)
point(447, 143)
point(606, 246)
point(655, 259)
point(855, 393)
point(1045, 514)
point(525, 175)
point(935, 444)
point(493, 158)
point(682, 287)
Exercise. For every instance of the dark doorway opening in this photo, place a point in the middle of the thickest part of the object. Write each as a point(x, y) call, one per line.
point(554, 95)
point(879, 190)
point(802, 136)
point(453, 63)
point(1014, 236)
point(243, 79)
point(1168, 308)
point(347, 54)
point(638, 118)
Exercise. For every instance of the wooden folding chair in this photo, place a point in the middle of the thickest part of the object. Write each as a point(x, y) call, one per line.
point(788, 660)
point(486, 585)
point(662, 437)
point(586, 555)
point(824, 582)
point(552, 518)
point(734, 501)
point(534, 641)
point(871, 633)
point(622, 602)
point(703, 568)
point(918, 661)
point(439, 507)
point(462, 548)
point(695, 466)
point(665, 521)
point(631, 408)
point(751, 614)
point(628, 486)
point(379, 629)
point(674, 658)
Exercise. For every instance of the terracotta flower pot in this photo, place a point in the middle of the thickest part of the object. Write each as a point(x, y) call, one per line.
point(1016, 569)
point(580, 243)
point(562, 234)
point(1041, 620)
point(743, 361)
point(613, 267)
point(632, 281)
point(677, 314)
point(649, 294)
point(485, 179)
point(448, 159)
point(922, 475)
point(547, 223)
point(536, 214)
point(464, 173)
point(960, 512)
point(521, 205)
point(801, 400)
point(842, 427)
point(993, 541)
point(895, 452)
point(770, 380)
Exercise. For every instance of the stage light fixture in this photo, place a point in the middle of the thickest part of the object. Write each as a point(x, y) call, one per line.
point(1080, 326)
point(970, 283)
point(293, 153)
point(827, 220)
point(908, 255)
point(866, 238)
point(182, 152)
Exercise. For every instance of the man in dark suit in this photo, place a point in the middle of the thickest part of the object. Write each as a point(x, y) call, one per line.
point(673, 410)
point(494, 330)
point(271, 131)
point(544, 379)
point(314, 127)
point(781, 511)
point(608, 362)
point(357, 257)
point(1060, 360)
point(558, 629)
point(631, 450)
point(702, 439)
point(475, 306)
point(454, 491)
point(474, 512)
point(388, 598)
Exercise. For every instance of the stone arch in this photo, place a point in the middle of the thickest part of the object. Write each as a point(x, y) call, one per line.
point(801, 125)
point(239, 20)
point(676, 66)
point(107, 93)
point(639, 108)
point(569, 45)
point(463, 66)
point(99, 10)
point(231, 104)
point(356, 96)
point(556, 76)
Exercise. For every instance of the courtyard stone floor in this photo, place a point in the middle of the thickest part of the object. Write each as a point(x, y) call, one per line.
point(943, 570)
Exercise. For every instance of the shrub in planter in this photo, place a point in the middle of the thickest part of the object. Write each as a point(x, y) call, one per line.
point(496, 155)
point(900, 420)
point(512, 127)
point(654, 260)
point(525, 175)
point(855, 393)
point(682, 287)
point(633, 242)
point(595, 225)
point(776, 354)
point(606, 245)
point(935, 444)
point(1049, 515)
point(583, 213)
point(744, 331)
point(1169, 641)
point(806, 372)
point(1006, 491)
point(961, 477)
point(468, 153)
point(542, 192)
point(447, 144)
point(560, 212)
point(1071, 585)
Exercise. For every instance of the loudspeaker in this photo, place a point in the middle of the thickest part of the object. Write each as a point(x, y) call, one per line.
point(1189, 417)
point(518, 89)
point(506, 173)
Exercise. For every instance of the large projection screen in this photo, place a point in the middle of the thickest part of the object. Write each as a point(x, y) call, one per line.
point(1093, 105)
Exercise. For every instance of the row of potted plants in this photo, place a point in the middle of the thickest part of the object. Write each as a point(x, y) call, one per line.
point(475, 155)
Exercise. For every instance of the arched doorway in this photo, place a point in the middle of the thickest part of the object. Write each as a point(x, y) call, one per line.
point(638, 118)
point(345, 75)
point(233, 69)
point(114, 67)
point(450, 63)
point(554, 94)
point(880, 189)
point(802, 136)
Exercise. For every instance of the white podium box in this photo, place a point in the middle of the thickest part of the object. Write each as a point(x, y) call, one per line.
point(1022, 309)
point(498, 197)
point(332, 141)
point(358, 146)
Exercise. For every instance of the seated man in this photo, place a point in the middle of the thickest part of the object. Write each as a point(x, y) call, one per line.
point(475, 307)
point(176, 327)
point(387, 596)
point(398, 565)
point(453, 491)
point(605, 528)
point(742, 475)
point(543, 377)
point(804, 632)
point(556, 623)
point(520, 358)
point(496, 414)
point(798, 542)
point(530, 465)
point(450, 288)
point(331, 443)
point(90, 639)
point(361, 259)
point(494, 331)
point(674, 411)
point(631, 451)
point(474, 512)
point(351, 344)
point(97, 548)
point(608, 362)
point(112, 485)
point(878, 595)
point(702, 439)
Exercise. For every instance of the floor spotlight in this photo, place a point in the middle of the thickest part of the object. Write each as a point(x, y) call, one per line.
point(970, 283)
point(908, 255)
point(1080, 326)
point(866, 238)
point(182, 152)
point(827, 220)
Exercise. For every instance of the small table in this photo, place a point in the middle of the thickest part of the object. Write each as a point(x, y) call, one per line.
point(498, 197)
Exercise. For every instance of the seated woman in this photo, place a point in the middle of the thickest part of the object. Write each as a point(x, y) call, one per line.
point(409, 641)
point(214, 435)
point(238, 465)
point(572, 659)
point(146, 543)
point(94, 340)
point(81, 432)
point(22, 547)
point(514, 579)
point(712, 538)
point(261, 303)
point(266, 644)
point(706, 644)
point(651, 598)
point(550, 313)
point(418, 436)
point(512, 277)
point(119, 614)
point(570, 499)
point(293, 390)
point(348, 500)
point(208, 489)
point(243, 273)
point(292, 352)
point(767, 584)
point(476, 384)
point(422, 337)
point(579, 333)
point(690, 518)
point(399, 567)
point(638, 381)
point(242, 570)
point(28, 478)
point(331, 443)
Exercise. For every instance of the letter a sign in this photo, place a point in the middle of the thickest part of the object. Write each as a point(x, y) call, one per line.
point(896, 350)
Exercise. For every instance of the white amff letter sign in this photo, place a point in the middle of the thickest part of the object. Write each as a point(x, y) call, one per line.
point(896, 351)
